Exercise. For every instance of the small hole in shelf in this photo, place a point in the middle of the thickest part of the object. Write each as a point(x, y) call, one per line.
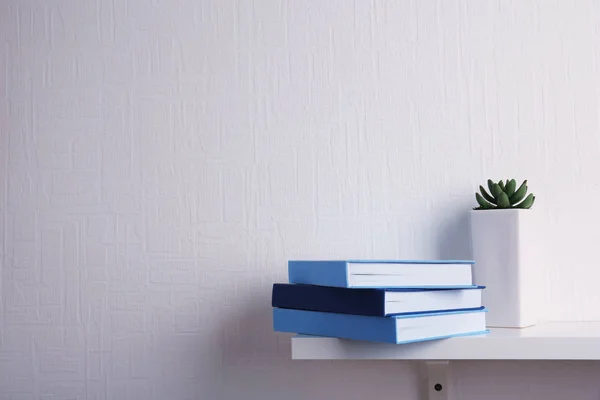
point(438, 387)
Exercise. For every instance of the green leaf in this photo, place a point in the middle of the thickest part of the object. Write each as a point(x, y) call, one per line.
point(496, 191)
point(511, 186)
point(486, 195)
point(484, 204)
point(528, 202)
point(491, 186)
point(503, 201)
point(519, 194)
point(501, 184)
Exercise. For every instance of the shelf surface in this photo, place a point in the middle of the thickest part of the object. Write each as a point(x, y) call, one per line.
point(545, 341)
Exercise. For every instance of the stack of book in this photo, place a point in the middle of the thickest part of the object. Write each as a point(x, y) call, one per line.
point(388, 301)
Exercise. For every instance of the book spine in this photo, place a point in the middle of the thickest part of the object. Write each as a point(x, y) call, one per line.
point(344, 326)
point(370, 302)
point(325, 273)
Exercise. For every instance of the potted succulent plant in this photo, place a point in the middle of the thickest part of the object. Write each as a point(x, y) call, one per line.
point(503, 244)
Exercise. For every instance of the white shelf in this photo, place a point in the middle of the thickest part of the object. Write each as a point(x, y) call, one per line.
point(545, 341)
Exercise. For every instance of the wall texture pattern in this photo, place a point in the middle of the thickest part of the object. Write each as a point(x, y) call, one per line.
point(160, 161)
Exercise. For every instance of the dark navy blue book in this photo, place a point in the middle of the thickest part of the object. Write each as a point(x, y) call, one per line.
point(374, 302)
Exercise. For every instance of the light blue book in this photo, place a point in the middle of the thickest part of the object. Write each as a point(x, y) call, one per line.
point(382, 273)
point(398, 329)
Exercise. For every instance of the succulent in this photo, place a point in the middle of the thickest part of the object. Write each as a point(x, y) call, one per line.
point(503, 195)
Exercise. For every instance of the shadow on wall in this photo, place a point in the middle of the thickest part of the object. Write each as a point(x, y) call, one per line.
point(246, 331)
point(246, 325)
point(453, 240)
point(257, 362)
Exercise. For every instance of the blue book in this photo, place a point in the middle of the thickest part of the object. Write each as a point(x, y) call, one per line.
point(382, 273)
point(373, 302)
point(397, 329)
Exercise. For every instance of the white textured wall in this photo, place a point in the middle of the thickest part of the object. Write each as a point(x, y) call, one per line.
point(162, 160)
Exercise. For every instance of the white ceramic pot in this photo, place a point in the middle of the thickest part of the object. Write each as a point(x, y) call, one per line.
point(504, 246)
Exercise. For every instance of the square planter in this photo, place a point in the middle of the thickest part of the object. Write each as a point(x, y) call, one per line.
point(504, 247)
